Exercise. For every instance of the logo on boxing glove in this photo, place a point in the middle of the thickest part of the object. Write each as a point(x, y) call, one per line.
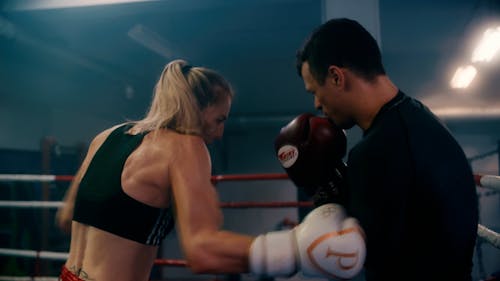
point(335, 263)
point(287, 155)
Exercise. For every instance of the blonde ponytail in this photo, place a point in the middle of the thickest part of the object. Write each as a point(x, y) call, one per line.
point(180, 95)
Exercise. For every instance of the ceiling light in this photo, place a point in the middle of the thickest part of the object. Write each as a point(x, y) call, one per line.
point(463, 77)
point(488, 46)
point(58, 4)
point(150, 39)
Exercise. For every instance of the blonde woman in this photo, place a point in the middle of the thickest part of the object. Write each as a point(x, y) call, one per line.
point(136, 173)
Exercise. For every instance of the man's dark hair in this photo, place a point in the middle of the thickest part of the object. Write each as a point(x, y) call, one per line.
point(343, 43)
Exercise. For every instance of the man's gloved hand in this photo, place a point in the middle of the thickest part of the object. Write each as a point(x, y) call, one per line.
point(310, 149)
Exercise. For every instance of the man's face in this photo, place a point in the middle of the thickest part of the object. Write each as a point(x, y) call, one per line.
point(329, 97)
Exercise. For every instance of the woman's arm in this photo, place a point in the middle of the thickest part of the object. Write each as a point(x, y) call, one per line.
point(207, 248)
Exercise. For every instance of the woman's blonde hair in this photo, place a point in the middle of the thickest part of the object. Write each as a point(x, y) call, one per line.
point(180, 95)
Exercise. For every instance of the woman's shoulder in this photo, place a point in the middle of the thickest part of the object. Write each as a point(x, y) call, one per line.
point(175, 141)
point(180, 138)
point(103, 135)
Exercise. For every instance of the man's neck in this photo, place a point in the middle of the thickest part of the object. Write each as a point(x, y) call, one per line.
point(375, 95)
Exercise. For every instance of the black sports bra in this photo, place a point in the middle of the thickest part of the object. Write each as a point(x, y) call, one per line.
point(102, 203)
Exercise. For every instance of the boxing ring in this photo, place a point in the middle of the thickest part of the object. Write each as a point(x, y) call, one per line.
point(489, 182)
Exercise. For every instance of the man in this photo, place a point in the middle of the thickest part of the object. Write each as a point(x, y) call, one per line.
point(408, 181)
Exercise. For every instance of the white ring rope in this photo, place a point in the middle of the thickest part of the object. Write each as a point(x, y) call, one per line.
point(34, 254)
point(14, 177)
point(487, 181)
point(20, 278)
point(31, 204)
point(488, 235)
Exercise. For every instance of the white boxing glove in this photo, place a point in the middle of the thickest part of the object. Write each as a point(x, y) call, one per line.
point(326, 244)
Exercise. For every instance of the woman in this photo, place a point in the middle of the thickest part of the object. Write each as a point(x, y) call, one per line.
point(137, 175)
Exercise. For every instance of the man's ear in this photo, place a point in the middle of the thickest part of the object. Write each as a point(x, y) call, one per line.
point(335, 75)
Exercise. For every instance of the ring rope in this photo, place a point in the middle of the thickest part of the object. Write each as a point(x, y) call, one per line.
point(31, 204)
point(34, 254)
point(489, 235)
point(483, 232)
point(283, 204)
point(26, 278)
point(214, 179)
point(248, 177)
point(487, 181)
point(234, 205)
point(64, 256)
point(36, 178)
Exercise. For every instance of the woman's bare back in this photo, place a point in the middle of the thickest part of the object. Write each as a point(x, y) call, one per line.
point(99, 255)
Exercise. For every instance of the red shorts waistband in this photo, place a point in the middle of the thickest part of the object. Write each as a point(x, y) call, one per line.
point(67, 275)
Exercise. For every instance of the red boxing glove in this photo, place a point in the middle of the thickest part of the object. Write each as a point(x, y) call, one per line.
point(310, 149)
